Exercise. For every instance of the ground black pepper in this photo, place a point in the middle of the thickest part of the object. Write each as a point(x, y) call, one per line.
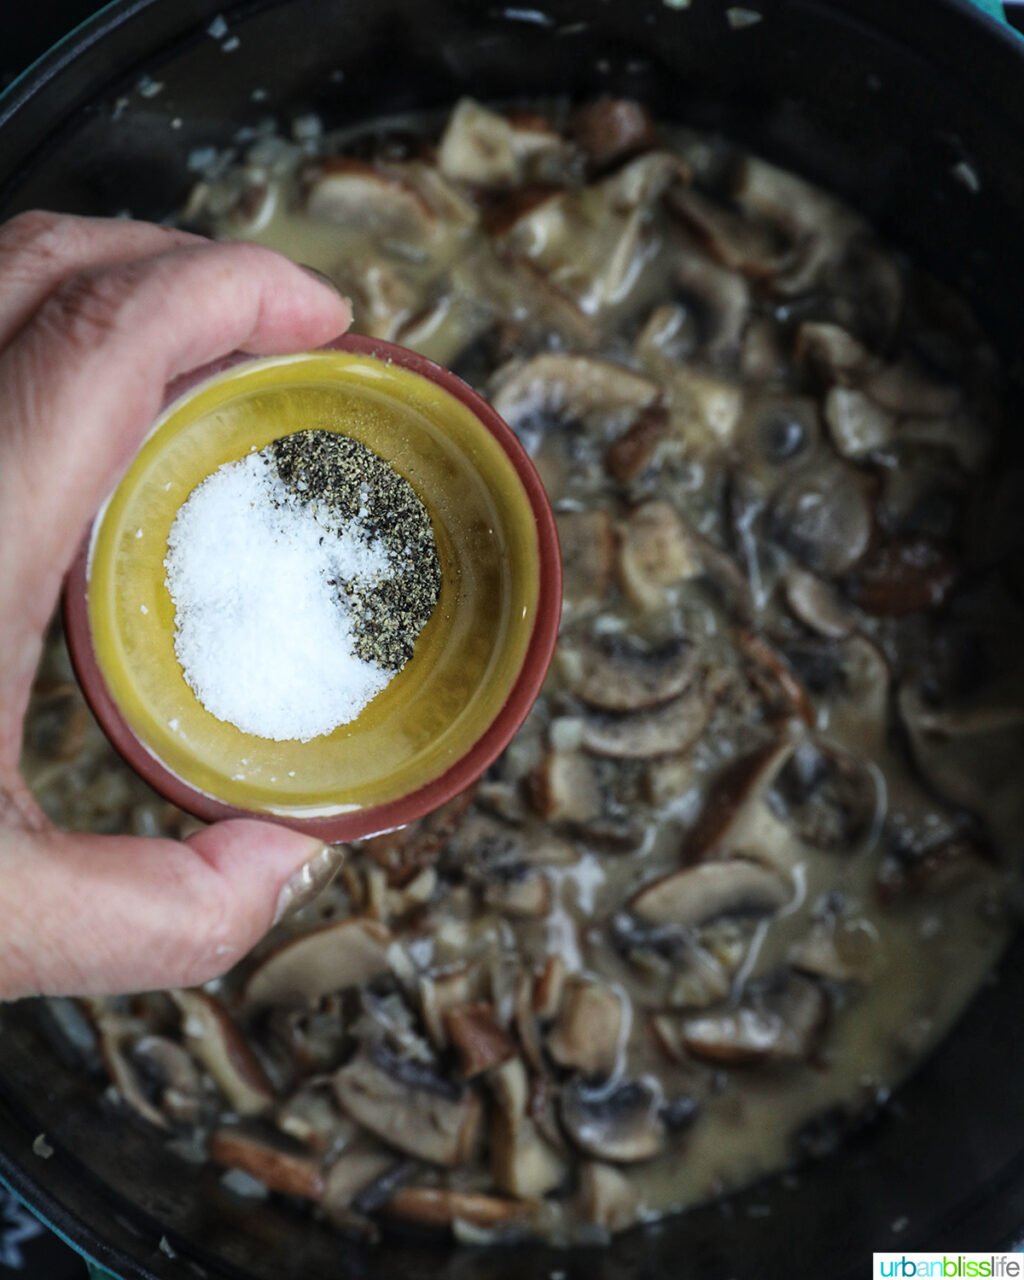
point(359, 488)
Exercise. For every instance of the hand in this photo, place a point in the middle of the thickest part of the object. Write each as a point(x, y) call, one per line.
point(96, 318)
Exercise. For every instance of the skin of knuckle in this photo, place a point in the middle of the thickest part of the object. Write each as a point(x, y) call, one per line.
point(37, 234)
point(88, 310)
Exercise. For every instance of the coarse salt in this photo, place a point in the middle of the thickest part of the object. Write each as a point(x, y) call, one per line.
point(263, 635)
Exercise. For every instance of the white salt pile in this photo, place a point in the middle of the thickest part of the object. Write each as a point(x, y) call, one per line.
point(263, 636)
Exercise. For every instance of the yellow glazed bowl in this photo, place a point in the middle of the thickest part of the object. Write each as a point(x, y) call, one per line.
point(478, 663)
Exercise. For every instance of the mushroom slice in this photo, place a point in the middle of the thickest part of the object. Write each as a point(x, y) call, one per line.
point(695, 896)
point(218, 1044)
point(607, 1197)
point(780, 1023)
point(839, 950)
point(643, 181)
point(828, 798)
point(904, 576)
point(736, 818)
point(737, 242)
point(564, 788)
point(549, 988)
point(667, 730)
point(655, 553)
point(522, 1163)
point(524, 894)
point(587, 1034)
point(311, 1117)
point(173, 1070)
point(362, 1164)
point(813, 602)
point(905, 389)
point(834, 354)
point(774, 677)
point(331, 957)
point(444, 1207)
point(619, 1123)
point(485, 149)
point(572, 387)
point(612, 129)
point(588, 557)
point(113, 1033)
point(351, 193)
point(427, 1117)
point(273, 1160)
point(818, 227)
point(722, 298)
point(479, 1039)
point(613, 674)
point(824, 520)
point(444, 991)
point(629, 456)
point(857, 424)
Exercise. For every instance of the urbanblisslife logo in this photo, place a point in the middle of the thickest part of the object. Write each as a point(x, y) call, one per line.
point(949, 1266)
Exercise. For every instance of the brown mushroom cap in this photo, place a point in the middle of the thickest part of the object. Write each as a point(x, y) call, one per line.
point(666, 730)
point(332, 957)
point(697, 895)
point(273, 1160)
point(615, 674)
point(219, 1045)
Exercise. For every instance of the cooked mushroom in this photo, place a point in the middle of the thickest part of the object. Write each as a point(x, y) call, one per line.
point(857, 424)
point(113, 1036)
point(405, 852)
point(417, 1112)
point(614, 674)
point(214, 1039)
point(337, 955)
point(774, 676)
point(814, 603)
point(522, 1162)
point(443, 991)
point(571, 387)
point(172, 1069)
point(351, 193)
point(311, 1117)
point(835, 355)
point(549, 987)
point(697, 895)
point(667, 730)
point(904, 389)
point(588, 1030)
point(620, 1123)
point(828, 798)
point(737, 242)
point(588, 557)
point(443, 1207)
point(612, 129)
point(825, 520)
point(523, 894)
point(279, 1164)
point(722, 298)
point(479, 1039)
point(564, 788)
point(773, 1024)
point(655, 553)
point(736, 819)
point(479, 147)
point(359, 1166)
point(607, 1197)
point(839, 950)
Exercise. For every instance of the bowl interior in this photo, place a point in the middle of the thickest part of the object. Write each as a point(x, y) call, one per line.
point(467, 657)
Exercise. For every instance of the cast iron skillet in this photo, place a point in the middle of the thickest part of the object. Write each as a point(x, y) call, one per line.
point(878, 99)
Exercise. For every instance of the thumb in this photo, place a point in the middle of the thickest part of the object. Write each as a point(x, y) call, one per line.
point(89, 915)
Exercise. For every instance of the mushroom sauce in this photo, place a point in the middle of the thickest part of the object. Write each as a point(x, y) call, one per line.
point(750, 854)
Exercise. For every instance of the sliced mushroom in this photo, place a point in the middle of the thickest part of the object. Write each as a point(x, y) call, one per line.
point(113, 1034)
point(311, 1117)
point(362, 1164)
point(857, 424)
point(619, 1123)
point(753, 248)
point(612, 129)
point(441, 992)
point(478, 1038)
point(351, 193)
point(427, 1118)
point(607, 1197)
point(819, 229)
point(775, 678)
point(571, 387)
point(614, 674)
point(213, 1038)
point(444, 1207)
point(814, 603)
point(523, 895)
point(629, 456)
point(173, 1070)
point(642, 181)
point(588, 1031)
point(824, 520)
point(722, 298)
point(588, 557)
point(904, 576)
point(776, 432)
point(835, 355)
point(523, 1163)
point(549, 988)
point(905, 389)
point(279, 1164)
point(667, 730)
point(332, 957)
point(839, 950)
point(478, 147)
point(695, 896)
point(778, 1024)
point(826, 797)
point(655, 554)
point(564, 788)
point(736, 819)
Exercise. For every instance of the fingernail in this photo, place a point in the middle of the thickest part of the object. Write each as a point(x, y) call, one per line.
point(309, 881)
point(323, 278)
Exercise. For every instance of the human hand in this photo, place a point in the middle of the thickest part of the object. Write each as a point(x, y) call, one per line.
point(96, 318)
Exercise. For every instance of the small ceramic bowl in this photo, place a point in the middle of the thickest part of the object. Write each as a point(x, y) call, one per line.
point(479, 662)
